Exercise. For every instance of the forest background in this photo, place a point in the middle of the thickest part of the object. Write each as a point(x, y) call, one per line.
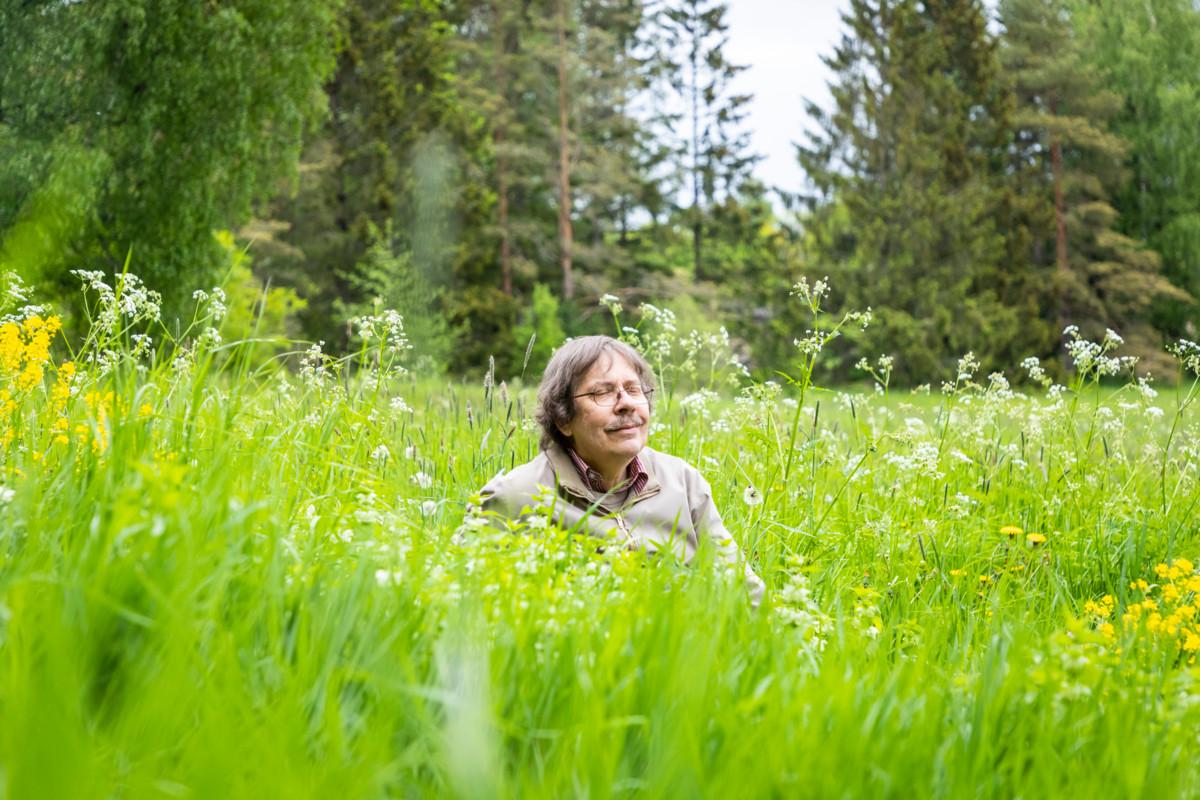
point(984, 176)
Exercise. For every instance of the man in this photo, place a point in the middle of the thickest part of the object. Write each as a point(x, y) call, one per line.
point(594, 406)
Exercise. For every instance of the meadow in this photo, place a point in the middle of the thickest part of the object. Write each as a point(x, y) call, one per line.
point(225, 574)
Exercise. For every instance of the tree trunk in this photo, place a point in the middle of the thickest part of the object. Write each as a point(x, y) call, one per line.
point(694, 78)
point(565, 232)
point(499, 136)
point(1060, 234)
point(502, 213)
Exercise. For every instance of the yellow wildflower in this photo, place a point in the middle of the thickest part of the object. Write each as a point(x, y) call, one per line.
point(11, 347)
point(1035, 538)
point(1011, 530)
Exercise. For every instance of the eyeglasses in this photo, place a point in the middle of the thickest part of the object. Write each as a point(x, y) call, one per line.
point(606, 396)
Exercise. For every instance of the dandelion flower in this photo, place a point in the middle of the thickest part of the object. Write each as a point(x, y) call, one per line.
point(1011, 530)
point(1035, 538)
point(752, 497)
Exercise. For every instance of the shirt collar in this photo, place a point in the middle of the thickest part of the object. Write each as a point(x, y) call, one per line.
point(636, 476)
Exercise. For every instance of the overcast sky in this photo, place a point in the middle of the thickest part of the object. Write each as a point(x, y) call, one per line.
point(782, 41)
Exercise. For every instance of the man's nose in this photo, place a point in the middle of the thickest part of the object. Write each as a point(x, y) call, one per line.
point(624, 401)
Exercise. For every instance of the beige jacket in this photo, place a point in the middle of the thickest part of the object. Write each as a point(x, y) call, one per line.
point(675, 512)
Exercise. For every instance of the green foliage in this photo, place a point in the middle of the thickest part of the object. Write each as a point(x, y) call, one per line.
point(541, 330)
point(908, 199)
point(1147, 54)
point(1101, 278)
point(256, 311)
point(228, 584)
point(169, 119)
point(388, 280)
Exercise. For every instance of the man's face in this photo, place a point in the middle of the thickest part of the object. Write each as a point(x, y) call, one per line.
point(609, 437)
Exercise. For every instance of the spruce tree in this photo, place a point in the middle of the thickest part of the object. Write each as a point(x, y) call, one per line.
point(1147, 53)
point(1101, 277)
point(907, 190)
point(716, 153)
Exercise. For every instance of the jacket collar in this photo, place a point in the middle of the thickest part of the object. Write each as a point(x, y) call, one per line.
point(570, 480)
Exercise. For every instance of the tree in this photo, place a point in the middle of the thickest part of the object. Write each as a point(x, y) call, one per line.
point(907, 182)
point(717, 148)
point(1147, 54)
point(1102, 278)
point(185, 115)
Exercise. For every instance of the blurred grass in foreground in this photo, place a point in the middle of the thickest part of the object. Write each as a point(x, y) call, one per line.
point(219, 579)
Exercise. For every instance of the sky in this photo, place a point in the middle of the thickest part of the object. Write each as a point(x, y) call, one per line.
point(781, 42)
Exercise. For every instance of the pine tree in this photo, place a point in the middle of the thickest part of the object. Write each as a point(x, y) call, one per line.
point(906, 171)
point(1102, 278)
point(1147, 53)
point(717, 155)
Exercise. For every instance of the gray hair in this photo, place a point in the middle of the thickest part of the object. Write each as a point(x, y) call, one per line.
point(568, 365)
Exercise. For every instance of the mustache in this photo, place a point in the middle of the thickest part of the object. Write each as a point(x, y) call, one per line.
point(625, 421)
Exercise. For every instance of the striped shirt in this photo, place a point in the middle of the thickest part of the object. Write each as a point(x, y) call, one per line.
point(636, 476)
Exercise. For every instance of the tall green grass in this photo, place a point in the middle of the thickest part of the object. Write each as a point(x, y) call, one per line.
point(238, 579)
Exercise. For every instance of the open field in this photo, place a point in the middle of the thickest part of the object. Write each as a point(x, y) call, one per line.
point(222, 581)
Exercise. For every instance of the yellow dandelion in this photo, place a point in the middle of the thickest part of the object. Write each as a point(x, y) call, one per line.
point(1011, 530)
point(1035, 538)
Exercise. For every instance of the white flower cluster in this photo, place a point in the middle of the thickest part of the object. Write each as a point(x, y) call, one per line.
point(1091, 358)
point(812, 295)
point(314, 370)
point(700, 403)
point(814, 341)
point(387, 326)
point(1036, 373)
point(216, 302)
point(656, 344)
point(796, 607)
point(130, 300)
point(922, 461)
point(1188, 353)
point(611, 302)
